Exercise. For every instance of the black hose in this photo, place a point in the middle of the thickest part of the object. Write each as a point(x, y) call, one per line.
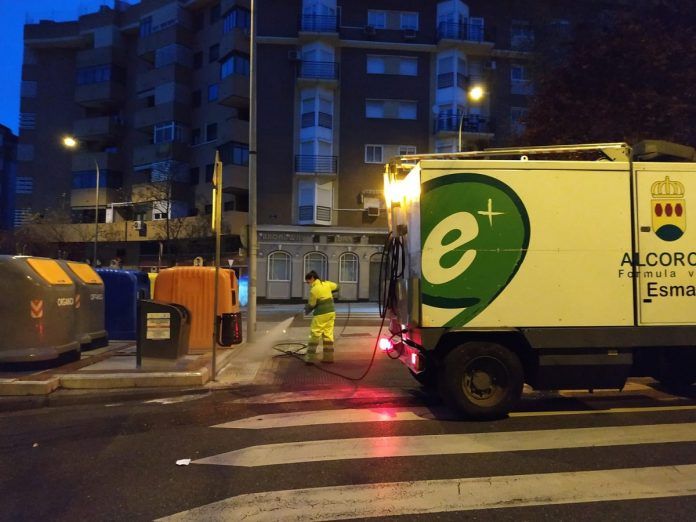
point(392, 266)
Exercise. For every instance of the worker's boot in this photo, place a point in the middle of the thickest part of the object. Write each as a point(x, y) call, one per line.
point(327, 355)
point(311, 355)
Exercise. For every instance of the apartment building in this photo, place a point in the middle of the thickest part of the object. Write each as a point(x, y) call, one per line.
point(152, 90)
point(11, 188)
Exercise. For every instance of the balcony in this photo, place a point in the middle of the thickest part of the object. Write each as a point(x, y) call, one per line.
point(234, 91)
point(318, 26)
point(309, 72)
point(174, 73)
point(172, 111)
point(84, 161)
point(102, 128)
point(156, 191)
point(85, 197)
point(471, 38)
point(148, 154)
point(236, 40)
point(472, 125)
point(100, 95)
point(101, 56)
point(316, 164)
point(175, 34)
point(234, 130)
point(226, 5)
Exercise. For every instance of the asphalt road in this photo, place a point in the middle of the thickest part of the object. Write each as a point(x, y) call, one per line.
point(319, 453)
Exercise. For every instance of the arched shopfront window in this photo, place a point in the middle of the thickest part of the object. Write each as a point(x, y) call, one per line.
point(348, 268)
point(279, 268)
point(318, 262)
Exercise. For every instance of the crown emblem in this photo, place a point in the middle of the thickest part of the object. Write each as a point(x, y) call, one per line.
point(667, 189)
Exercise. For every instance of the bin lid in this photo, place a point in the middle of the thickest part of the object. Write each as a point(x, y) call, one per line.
point(50, 271)
point(86, 273)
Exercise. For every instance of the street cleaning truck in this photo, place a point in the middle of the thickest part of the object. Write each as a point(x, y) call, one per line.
point(563, 267)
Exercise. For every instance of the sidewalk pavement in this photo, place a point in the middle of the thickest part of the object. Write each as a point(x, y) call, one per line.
point(280, 328)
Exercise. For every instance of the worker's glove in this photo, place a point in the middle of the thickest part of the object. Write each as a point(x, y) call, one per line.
point(307, 310)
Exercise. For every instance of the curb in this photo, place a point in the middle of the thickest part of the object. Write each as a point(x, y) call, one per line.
point(16, 387)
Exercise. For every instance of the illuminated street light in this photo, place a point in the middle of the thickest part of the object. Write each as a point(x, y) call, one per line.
point(475, 94)
point(72, 143)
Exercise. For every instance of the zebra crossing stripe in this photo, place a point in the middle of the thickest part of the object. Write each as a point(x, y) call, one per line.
point(322, 395)
point(355, 415)
point(438, 496)
point(455, 444)
point(323, 417)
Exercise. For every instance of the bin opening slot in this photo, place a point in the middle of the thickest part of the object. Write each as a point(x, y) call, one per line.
point(50, 271)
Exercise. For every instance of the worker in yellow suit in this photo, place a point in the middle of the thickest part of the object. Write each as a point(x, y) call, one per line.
point(321, 304)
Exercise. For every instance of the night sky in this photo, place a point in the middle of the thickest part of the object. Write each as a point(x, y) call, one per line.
point(13, 15)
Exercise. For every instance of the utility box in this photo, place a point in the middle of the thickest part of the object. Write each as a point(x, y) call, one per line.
point(162, 334)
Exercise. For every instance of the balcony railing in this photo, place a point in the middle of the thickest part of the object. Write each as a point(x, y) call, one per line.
point(321, 164)
point(319, 23)
point(471, 32)
point(318, 70)
point(470, 123)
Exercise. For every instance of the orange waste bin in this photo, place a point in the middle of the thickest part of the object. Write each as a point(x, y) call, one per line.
point(194, 288)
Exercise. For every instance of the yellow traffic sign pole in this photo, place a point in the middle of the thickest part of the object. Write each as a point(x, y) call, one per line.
point(216, 226)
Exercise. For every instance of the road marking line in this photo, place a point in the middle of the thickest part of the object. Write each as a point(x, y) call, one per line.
point(323, 417)
point(176, 400)
point(608, 410)
point(455, 444)
point(438, 496)
point(395, 414)
point(320, 395)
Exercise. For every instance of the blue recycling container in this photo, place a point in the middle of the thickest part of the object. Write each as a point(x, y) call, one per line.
point(122, 289)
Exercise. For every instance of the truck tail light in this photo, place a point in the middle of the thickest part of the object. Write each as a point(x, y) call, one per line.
point(385, 344)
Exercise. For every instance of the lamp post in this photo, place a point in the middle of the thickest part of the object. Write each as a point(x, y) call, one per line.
point(475, 94)
point(71, 143)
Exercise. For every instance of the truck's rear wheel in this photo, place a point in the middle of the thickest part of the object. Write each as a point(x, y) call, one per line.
point(482, 380)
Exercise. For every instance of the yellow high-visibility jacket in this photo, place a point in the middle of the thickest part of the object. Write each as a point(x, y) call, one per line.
point(321, 298)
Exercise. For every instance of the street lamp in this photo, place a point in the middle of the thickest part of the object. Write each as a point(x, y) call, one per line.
point(72, 143)
point(475, 94)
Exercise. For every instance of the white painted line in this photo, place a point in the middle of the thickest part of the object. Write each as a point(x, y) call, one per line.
point(438, 496)
point(386, 414)
point(176, 400)
point(323, 417)
point(592, 412)
point(320, 395)
point(456, 444)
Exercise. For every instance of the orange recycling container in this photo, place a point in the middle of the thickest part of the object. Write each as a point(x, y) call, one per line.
point(194, 288)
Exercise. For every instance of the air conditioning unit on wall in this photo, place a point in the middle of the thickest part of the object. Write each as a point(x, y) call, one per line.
point(373, 211)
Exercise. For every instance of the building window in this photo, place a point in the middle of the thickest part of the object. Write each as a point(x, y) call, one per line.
point(21, 216)
point(391, 109)
point(386, 64)
point(99, 74)
point(146, 26)
point(373, 153)
point(214, 14)
point(167, 132)
point(279, 267)
point(318, 262)
point(24, 185)
point(87, 179)
point(520, 80)
point(377, 19)
point(409, 21)
point(406, 149)
point(521, 36)
point(198, 60)
point(212, 92)
point(27, 120)
point(211, 132)
point(194, 175)
point(237, 18)
point(209, 170)
point(196, 98)
point(213, 53)
point(518, 116)
point(234, 153)
point(348, 267)
point(234, 64)
point(171, 54)
point(195, 136)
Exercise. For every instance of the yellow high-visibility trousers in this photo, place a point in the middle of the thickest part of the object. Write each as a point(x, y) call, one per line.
point(321, 329)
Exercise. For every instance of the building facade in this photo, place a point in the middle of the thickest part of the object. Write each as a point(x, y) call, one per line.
point(11, 188)
point(153, 90)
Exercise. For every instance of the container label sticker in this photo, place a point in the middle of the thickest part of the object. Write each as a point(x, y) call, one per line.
point(158, 326)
